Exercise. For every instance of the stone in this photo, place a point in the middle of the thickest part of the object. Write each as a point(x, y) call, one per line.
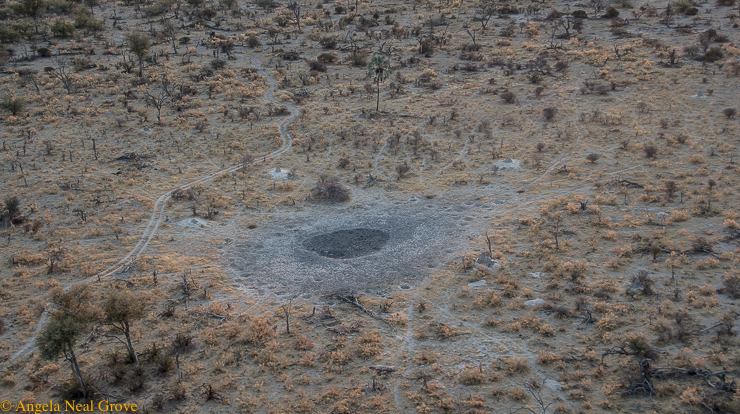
point(534, 302)
point(485, 260)
point(477, 284)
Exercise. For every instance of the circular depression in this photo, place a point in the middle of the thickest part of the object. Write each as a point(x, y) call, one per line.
point(347, 244)
point(424, 234)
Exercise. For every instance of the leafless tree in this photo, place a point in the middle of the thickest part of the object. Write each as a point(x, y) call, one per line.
point(535, 389)
point(171, 29)
point(61, 72)
point(286, 308)
point(484, 14)
point(157, 100)
point(295, 7)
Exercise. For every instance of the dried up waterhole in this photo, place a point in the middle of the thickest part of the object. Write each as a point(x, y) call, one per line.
point(347, 244)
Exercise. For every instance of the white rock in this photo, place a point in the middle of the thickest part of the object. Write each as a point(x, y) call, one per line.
point(477, 284)
point(534, 302)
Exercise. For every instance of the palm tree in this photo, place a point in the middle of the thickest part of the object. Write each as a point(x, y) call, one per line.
point(379, 68)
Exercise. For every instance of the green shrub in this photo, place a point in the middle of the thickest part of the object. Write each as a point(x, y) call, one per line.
point(611, 13)
point(8, 35)
point(85, 20)
point(3, 54)
point(580, 14)
point(14, 104)
point(360, 59)
point(217, 64)
point(625, 4)
point(59, 7)
point(692, 11)
point(682, 5)
point(23, 28)
point(154, 10)
point(61, 28)
point(6, 13)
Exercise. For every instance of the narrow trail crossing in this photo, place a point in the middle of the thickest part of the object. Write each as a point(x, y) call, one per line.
point(160, 204)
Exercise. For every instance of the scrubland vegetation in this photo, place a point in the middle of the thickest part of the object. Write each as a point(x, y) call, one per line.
point(137, 137)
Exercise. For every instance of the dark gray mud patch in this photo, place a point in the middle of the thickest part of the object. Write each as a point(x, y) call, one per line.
point(347, 244)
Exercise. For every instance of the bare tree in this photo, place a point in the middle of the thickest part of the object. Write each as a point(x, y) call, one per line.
point(484, 14)
point(157, 100)
point(535, 389)
point(171, 29)
point(556, 221)
point(286, 311)
point(61, 72)
point(295, 7)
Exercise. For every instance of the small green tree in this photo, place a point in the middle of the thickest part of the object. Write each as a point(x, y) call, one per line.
point(121, 309)
point(139, 44)
point(34, 8)
point(10, 211)
point(14, 104)
point(12, 207)
point(72, 314)
point(379, 68)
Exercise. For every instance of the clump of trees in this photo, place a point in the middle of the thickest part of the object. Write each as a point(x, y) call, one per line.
point(331, 189)
point(75, 315)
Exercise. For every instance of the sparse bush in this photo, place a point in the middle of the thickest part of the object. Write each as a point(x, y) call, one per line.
point(611, 13)
point(343, 163)
point(516, 364)
point(402, 170)
point(651, 151)
point(508, 97)
point(472, 376)
point(327, 57)
point(317, 66)
point(253, 41)
point(328, 42)
point(258, 332)
point(731, 285)
point(561, 65)
point(549, 113)
point(713, 54)
point(266, 4)
point(682, 5)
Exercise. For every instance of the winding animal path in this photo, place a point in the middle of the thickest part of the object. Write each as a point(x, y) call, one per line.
point(159, 206)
